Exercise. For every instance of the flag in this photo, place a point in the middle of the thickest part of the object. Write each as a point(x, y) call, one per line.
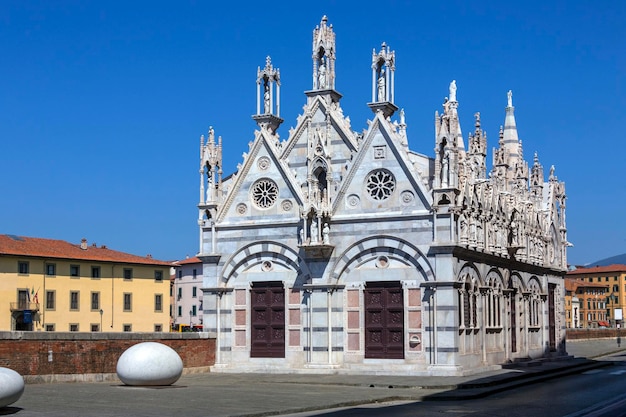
point(36, 297)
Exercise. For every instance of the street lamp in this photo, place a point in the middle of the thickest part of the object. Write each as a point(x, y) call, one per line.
point(101, 312)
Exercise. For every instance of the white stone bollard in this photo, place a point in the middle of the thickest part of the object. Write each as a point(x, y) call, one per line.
point(149, 363)
point(11, 386)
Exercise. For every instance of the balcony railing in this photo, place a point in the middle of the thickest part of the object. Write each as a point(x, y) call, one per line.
point(21, 306)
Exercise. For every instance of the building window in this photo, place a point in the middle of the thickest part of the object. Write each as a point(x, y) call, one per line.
point(128, 301)
point(264, 193)
point(49, 327)
point(128, 274)
point(74, 270)
point(128, 327)
point(180, 311)
point(95, 301)
point(195, 273)
point(51, 270)
point(50, 300)
point(180, 273)
point(194, 292)
point(74, 300)
point(180, 293)
point(22, 268)
point(158, 302)
point(193, 311)
point(158, 327)
point(158, 275)
point(380, 184)
point(95, 327)
point(73, 327)
point(95, 272)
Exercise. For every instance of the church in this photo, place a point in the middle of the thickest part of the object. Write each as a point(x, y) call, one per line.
point(336, 251)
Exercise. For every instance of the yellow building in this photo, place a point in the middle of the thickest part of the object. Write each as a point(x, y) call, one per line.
point(603, 290)
point(53, 285)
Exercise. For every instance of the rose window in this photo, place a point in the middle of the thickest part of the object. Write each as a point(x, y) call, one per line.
point(380, 184)
point(264, 193)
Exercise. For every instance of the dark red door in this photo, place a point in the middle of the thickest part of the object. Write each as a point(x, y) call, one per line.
point(552, 316)
point(268, 320)
point(514, 322)
point(384, 320)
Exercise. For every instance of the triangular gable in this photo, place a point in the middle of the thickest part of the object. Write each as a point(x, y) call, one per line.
point(381, 148)
point(262, 163)
point(315, 112)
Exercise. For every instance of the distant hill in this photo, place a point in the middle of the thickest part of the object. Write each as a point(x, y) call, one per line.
point(618, 259)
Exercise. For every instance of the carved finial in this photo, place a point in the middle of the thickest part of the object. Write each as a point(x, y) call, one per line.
point(509, 96)
point(477, 117)
point(324, 20)
point(453, 90)
point(402, 119)
point(536, 158)
point(268, 62)
point(211, 138)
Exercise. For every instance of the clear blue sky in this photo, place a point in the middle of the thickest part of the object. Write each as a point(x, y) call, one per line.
point(102, 103)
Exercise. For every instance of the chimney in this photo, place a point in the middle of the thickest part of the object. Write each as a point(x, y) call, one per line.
point(83, 244)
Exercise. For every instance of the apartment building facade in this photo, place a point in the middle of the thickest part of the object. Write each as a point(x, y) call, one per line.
point(187, 295)
point(54, 285)
point(602, 294)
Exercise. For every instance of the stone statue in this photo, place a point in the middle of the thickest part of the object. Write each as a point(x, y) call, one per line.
point(453, 90)
point(314, 232)
point(445, 168)
point(509, 96)
point(382, 93)
point(326, 234)
point(321, 79)
point(302, 236)
point(266, 99)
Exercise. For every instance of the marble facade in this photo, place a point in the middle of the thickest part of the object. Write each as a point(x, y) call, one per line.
point(339, 251)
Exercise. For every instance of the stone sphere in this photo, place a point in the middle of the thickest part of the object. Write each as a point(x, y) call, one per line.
point(11, 386)
point(149, 363)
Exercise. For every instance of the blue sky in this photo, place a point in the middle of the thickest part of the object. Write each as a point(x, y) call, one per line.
point(102, 103)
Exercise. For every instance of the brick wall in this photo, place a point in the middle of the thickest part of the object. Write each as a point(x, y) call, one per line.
point(43, 354)
point(579, 334)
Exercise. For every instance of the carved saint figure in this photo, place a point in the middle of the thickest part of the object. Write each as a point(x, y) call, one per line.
point(314, 232)
point(382, 93)
point(321, 79)
point(509, 97)
point(445, 168)
point(266, 99)
point(453, 90)
point(326, 234)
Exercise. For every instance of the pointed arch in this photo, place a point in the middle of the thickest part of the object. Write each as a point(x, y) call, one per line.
point(469, 289)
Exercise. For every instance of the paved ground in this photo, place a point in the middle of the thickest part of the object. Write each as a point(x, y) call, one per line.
point(217, 394)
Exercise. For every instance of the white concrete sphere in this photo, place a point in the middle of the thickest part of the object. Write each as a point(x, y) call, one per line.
point(149, 363)
point(11, 386)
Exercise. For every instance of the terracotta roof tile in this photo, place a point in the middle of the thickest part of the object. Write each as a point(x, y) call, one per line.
point(598, 269)
point(194, 260)
point(53, 248)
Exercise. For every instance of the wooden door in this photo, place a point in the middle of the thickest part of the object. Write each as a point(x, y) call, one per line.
point(268, 320)
point(384, 320)
point(552, 316)
point(514, 322)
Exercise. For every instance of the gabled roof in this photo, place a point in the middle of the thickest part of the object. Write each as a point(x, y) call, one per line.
point(60, 249)
point(573, 284)
point(598, 270)
point(188, 261)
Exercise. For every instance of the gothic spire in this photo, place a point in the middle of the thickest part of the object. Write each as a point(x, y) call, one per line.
point(324, 56)
point(510, 139)
point(268, 96)
point(383, 80)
